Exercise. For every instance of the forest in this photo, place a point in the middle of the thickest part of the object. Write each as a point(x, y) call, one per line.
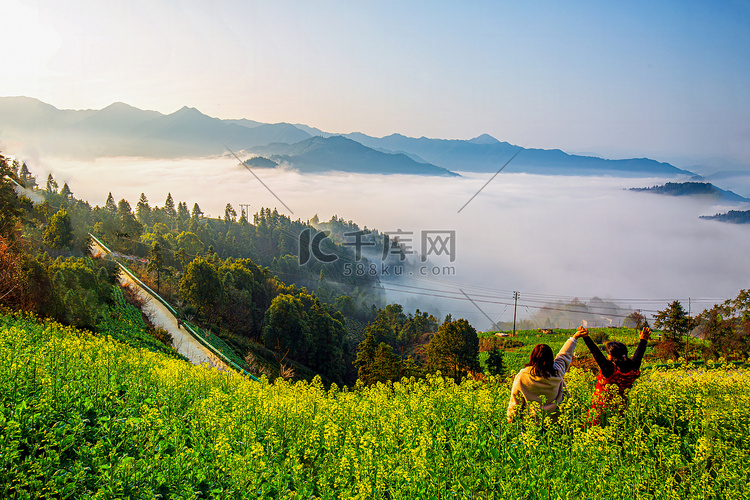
point(239, 277)
point(733, 216)
point(244, 279)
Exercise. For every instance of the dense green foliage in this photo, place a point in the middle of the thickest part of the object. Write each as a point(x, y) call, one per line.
point(675, 325)
point(733, 216)
point(454, 349)
point(310, 332)
point(495, 363)
point(376, 363)
point(726, 327)
point(59, 232)
point(125, 323)
point(83, 417)
point(691, 189)
point(76, 291)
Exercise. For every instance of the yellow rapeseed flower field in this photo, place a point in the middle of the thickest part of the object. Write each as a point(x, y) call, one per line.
point(89, 417)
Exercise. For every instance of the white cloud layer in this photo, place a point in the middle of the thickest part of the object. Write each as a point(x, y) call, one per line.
point(545, 236)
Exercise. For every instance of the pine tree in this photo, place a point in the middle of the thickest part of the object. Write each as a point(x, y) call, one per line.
point(110, 206)
point(182, 211)
point(387, 365)
point(123, 207)
point(495, 363)
point(376, 363)
point(9, 204)
point(26, 178)
point(454, 350)
point(143, 210)
point(128, 225)
point(156, 262)
point(169, 209)
point(674, 323)
point(59, 232)
point(51, 184)
point(65, 191)
point(230, 214)
point(183, 216)
point(197, 212)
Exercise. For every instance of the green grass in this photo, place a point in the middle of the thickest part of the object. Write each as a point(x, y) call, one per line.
point(220, 345)
point(124, 322)
point(86, 417)
point(513, 360)
point(517, 357)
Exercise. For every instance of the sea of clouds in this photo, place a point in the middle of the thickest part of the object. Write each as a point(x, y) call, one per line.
point(548, 237)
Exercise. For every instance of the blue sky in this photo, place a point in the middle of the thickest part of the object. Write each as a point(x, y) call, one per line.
point(668, 80)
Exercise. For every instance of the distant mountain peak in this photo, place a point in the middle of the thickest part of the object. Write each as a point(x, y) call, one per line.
point(484, 139)
point(338, 153)
point(188, 111)
point(120, 106)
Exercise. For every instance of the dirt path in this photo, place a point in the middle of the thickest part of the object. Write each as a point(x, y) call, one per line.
point(161, 317)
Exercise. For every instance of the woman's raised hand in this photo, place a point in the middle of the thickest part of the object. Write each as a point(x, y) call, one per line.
point(581, 332)
point(645, 334)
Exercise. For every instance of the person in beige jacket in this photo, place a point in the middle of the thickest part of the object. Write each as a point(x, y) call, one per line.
point(542, 380)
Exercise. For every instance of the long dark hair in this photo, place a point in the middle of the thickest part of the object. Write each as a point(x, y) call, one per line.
point(619, 353)
point(542, 361)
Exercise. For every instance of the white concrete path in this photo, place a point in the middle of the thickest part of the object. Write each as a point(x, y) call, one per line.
point(161, 317)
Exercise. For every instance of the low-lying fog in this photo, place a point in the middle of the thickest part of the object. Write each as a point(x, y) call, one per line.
point(544, 236)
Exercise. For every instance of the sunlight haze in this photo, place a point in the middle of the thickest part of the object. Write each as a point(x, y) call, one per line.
point(669, 81)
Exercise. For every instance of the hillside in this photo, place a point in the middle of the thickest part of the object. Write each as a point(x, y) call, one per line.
point(704, 189)
point(260, 162)
point(319, 154)
point(82, 416)
point(733, 216)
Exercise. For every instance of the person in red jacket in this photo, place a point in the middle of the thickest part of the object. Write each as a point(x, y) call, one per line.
point(617, 368)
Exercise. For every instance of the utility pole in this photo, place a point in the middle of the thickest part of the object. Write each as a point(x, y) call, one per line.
point(245, 207)
point(515, 304)
point(641, 316)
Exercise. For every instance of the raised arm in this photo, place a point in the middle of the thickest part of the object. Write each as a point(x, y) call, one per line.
point(516, 398)
point(644, 335)
point(565, 356)
point(606, 366)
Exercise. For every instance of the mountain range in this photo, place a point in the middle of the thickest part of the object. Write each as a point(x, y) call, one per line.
point(487, 154)
point(320, 154)
point(123, 130)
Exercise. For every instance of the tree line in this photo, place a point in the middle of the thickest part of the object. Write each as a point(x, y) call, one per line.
point(243, 280)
